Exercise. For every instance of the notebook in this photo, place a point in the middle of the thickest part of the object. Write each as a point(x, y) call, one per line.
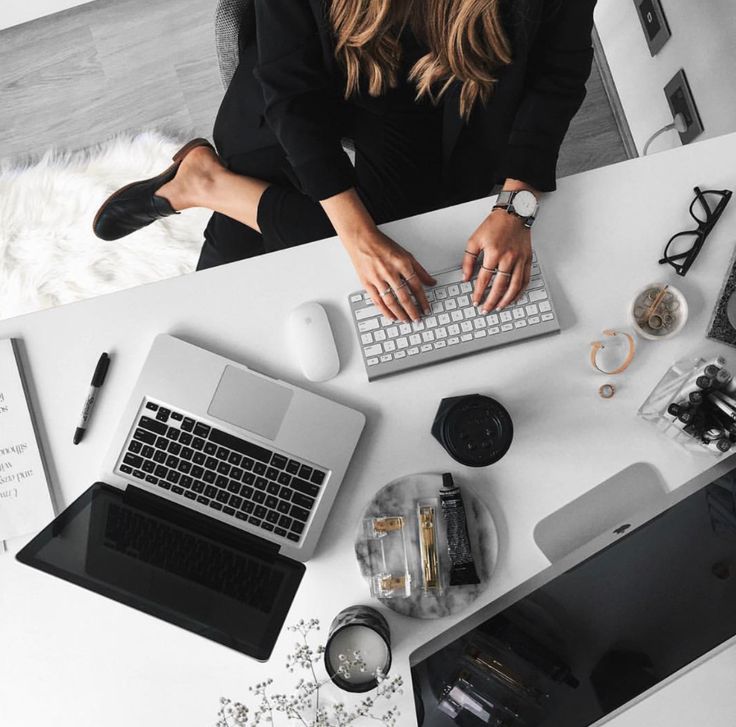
point(25, 499)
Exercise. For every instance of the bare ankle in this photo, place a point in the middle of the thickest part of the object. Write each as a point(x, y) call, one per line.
point(194, 182)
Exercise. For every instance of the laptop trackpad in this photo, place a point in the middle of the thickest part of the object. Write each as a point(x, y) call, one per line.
point(250, 402)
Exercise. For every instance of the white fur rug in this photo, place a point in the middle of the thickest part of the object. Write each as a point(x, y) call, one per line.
point(48, 253)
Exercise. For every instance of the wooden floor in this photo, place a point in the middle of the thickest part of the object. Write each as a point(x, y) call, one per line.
point(74, 79)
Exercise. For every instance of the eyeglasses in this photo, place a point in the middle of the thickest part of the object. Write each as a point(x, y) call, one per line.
point(682, 249)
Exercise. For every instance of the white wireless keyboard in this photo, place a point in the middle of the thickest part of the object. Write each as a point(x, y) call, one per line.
point(455, 327)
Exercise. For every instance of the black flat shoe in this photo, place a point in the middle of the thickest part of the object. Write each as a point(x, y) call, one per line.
point(134, 206)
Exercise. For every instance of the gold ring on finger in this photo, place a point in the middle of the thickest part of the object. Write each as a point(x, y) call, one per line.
point(472, 254)
point(411, 277)
point(490, 270)
point(386, 292)
point(501, 272)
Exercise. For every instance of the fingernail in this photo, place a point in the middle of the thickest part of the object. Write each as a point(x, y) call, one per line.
point(427, 311)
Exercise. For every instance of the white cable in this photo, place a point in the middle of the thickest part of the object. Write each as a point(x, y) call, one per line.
point(679, 124)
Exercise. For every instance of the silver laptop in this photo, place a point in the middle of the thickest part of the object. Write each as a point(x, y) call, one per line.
point(210, 434)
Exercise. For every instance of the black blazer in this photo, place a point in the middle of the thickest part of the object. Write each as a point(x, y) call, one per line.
point(297, 85)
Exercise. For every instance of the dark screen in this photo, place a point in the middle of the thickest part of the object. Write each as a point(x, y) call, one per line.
point(609, 629)
point(173, 563)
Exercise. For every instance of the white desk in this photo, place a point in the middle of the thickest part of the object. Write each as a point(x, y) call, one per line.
point(73, 658)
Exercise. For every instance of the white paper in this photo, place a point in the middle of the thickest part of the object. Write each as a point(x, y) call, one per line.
point(25, 501)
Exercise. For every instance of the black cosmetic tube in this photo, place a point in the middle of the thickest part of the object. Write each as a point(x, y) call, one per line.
point(462, 566)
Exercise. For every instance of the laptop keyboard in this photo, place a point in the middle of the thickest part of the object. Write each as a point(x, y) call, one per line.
point(196, 559)
point(453, 328)
point(236, 477)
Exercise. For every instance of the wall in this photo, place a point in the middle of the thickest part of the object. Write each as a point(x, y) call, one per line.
point(703, 42)
point(14, 12)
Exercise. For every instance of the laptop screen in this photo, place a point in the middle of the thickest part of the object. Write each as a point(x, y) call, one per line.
point(173, 563)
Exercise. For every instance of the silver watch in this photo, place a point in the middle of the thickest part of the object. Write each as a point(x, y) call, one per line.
point(520, 202)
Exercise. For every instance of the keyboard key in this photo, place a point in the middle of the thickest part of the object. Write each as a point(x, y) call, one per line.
point(178, 490)
point(532, 310)
point(135, 447)
point(547, 316)
point(267, 526)
point(259, 497)
point(187, 424)
point(369, 325)
point(450, 304)
point(201, 430)
point(234, 458)
point(260, 511)
point(185, 439)
point(366, 339)
point(247, 463)
point(187, 453)
point(152, 425)
point(493, 330)
point(537, 295)
point(223, 468)
point(210, 448)
point(172, 433)
point(198, 443)
point(533, 320)
point(479, 334)
point(545, 306)
point(190, 495)
point(233, 486)
point(160, 471)
point(356, 298)
point(371, 351)
point(413, 351)
point(492, 319)
point(216, 505)
point(279, 531)
point(221, 481)
point(299, 514)
point(271, 502)
point(151, 479)
point(236, 473)
point(236, 501)
point(273, 488)
point(150, 405)
point(284, 478)
point(247, 507)
point(228, 510)
point(126, 469)
point(285, 522)
point(198, 486)
point(453, 290)
point(133, 460)
point(302, 500)
point(463, 301)
point(247, 492)
point(318, 477)
point(283, 506)
point(518, 313)
point(364, 313)
point(440, 344)
point(202, 500)
point(222, 496)
point(163, 414)
point(249, 478)
point(297, 527)
point(174, 448)
point(147, 451)
point(148, 466)
point(507, 327)
point(210, 491)
point(278, 460)
point(371, 361)
point(143, 435)
point(304, 487)
point(520, 324)
point(209, 476)
point(453, 341)
point(285, 493)
point(222, 454)
point(176, 416)
point(506, 316)
point(164, 484)
point(259, 468)
point(173, 476)
point(293, 536)
point(272, 473)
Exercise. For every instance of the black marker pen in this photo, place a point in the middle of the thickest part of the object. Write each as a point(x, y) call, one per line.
point(98, 378)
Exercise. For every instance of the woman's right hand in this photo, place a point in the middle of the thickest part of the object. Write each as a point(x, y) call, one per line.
point(389, 274)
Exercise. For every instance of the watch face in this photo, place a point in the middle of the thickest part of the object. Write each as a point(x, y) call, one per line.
point(524, 203)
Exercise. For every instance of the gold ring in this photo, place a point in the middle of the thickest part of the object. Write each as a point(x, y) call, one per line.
point(467, 252)
point(501, 272)
point(386, 292)
point(490, 270)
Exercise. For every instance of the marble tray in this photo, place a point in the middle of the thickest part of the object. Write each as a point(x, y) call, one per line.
point(399, 498)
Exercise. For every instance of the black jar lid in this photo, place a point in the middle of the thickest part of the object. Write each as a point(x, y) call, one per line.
point(475, 429)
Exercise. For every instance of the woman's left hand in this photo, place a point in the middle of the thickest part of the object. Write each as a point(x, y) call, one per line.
point(506, 245)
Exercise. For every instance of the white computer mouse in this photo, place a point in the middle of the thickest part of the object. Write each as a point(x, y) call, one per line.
point(312, 342)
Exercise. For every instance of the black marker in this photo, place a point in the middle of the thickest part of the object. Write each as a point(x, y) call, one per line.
point(98, 378)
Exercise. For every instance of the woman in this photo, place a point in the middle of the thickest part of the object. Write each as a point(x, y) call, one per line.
point(443, 99)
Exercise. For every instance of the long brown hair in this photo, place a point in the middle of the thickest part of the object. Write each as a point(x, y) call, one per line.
point(466, 39)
